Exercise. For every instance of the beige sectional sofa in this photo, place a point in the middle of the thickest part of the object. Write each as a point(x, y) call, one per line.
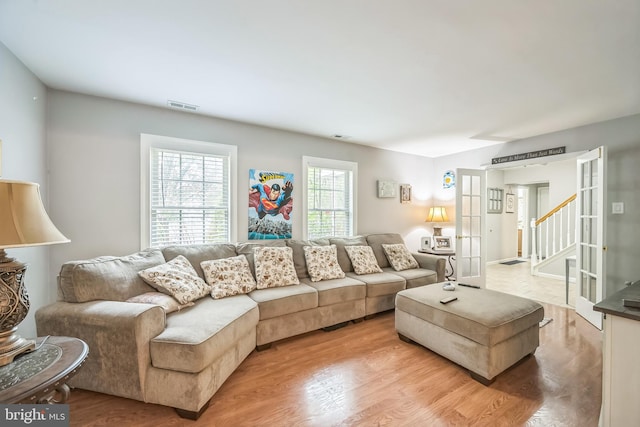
point(180, 359)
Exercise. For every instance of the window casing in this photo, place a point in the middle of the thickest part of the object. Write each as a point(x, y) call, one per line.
point(187, 192)
point(329, 192)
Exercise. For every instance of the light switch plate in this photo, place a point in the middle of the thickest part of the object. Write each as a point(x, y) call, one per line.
point(617, 207)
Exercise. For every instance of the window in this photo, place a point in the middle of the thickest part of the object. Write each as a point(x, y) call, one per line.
point(187, 192)
point(330, 197)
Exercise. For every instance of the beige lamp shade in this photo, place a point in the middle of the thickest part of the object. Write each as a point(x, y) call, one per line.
point(437, 214)
point(23, 219)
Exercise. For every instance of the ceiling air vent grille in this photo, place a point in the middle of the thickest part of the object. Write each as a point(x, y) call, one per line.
point(182, 106)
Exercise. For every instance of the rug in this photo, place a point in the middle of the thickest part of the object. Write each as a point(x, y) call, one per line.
point(515, 261)
point(544, 321)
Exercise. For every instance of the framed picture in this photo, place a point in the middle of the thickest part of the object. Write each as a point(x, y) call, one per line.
point(405, 193)
point(386, 188)
point(510, 203)
point(442, 243)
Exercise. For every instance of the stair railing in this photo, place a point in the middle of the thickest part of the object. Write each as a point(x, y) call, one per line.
point(554, 232)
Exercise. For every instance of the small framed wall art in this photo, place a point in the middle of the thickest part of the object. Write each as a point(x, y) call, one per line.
point(386, 188)
point(405, 193)
point(510, 203)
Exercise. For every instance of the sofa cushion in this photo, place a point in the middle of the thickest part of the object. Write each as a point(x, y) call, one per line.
point(336, 291)
point(198, 253)
point(106, 278)
point(399, 256)
point(376, 241)
point(322, 263)
point(196, 337)
point(415, 277)
point(167, 302)
point(228, 276)
point(299, 261)
point(363, 259)
point(343, 257)
point(274, 302)
point(379, 284)
point(177, 278)
point(274, 267)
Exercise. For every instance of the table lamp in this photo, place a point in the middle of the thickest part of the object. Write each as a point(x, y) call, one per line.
point(437, 214)
point(23, 222)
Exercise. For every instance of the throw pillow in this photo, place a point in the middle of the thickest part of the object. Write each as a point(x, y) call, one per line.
point(399, 257)
point(274, 267)
point(165, 301)
point(228, 276)
point(322, 262)
point(177, 278)
point(363, 259)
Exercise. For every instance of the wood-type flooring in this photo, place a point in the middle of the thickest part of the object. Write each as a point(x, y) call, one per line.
point(363, 375)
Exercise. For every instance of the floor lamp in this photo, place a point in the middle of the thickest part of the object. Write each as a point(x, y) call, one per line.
point(23, 222)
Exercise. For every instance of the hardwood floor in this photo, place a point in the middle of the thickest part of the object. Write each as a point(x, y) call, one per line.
point(517, 280)
point(364, 375)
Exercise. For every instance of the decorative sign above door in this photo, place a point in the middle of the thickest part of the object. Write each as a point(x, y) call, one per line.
point(529, 155)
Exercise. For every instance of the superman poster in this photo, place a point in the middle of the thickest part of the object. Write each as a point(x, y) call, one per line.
point(270, 204)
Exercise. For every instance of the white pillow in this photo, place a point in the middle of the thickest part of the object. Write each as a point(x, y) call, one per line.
point(363, 259)
point(322, 262)
point(399, 256)
point(228, 276)
point(274, 267)
point(177, 278)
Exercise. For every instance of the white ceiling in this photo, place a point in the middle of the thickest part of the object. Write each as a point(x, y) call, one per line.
point(428, 77)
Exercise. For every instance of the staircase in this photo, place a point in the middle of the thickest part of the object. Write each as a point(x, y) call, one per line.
point(553, 235)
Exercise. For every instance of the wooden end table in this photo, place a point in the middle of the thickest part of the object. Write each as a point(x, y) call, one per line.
point(41, 375)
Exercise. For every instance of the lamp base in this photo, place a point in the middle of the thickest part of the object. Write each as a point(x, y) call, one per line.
point(14, 306)
point(437, 231)
point(13, 345)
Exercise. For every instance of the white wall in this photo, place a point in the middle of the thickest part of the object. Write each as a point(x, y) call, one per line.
point(622, 138)
point(22, 130)
point(95, 174)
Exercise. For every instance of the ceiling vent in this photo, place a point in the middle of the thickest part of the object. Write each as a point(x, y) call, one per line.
point(182, 106)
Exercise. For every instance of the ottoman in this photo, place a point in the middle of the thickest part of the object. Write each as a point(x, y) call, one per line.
point(484, 331)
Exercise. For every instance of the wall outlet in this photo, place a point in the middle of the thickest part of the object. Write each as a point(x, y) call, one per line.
point(617, 208)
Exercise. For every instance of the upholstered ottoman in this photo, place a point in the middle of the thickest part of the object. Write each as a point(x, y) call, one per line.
point(484, 331)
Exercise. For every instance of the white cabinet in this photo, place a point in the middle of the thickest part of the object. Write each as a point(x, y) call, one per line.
point(620, 372)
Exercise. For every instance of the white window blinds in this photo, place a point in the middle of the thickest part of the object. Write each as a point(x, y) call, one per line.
point(330, 200)
point(187, 197)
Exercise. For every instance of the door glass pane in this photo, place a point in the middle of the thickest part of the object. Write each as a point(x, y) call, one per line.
point(475, 185)
point(466, 226)
point(466, 206)
point(475, 205)
point(475, 226)
point(466, 184)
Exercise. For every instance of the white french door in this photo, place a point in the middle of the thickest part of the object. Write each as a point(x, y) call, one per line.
point(470, 226)
point(590, 234)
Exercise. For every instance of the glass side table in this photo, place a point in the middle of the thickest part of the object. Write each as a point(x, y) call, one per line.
point(41, 375)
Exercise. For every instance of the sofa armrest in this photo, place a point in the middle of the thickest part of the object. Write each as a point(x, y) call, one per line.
point(432, 262)
point(118, 335)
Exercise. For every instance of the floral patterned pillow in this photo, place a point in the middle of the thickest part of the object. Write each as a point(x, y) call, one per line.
point(322, 262)
point(399, 257)
point(165, 301)
point(228, 276)
point(274, 267)
point(363, 259)
point(177, 278)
